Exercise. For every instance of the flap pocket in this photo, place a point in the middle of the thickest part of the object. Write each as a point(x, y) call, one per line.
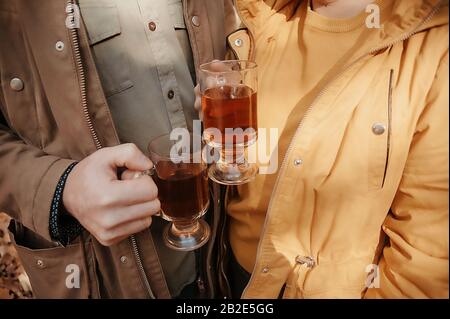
point(380, 139)
point(56, 272)
point(101, 19)
point(110, 49)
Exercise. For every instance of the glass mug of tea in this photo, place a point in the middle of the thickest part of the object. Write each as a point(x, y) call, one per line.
point(181, 177)
point(229, 107)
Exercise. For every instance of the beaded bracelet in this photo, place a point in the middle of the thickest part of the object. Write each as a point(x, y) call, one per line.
point(63, 227)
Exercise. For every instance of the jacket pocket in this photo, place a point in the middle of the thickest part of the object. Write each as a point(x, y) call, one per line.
point(110, 53)
point(380, 142)
point(55, 272)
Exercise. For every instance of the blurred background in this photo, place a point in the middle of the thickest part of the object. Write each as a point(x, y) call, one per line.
point(14, 283)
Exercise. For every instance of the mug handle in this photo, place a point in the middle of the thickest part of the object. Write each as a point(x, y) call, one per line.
point(149, 172)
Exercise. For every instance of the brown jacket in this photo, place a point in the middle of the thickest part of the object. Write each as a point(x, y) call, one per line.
point(54, 112)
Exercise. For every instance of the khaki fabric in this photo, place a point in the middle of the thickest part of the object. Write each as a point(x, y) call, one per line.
point(131, 60)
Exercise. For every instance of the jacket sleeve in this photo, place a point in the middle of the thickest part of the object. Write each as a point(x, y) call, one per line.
point(414, 264)
point(28, 179)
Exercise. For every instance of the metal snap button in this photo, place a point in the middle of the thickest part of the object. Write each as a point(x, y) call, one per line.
point(152, 26)
point(195, 21)
point(238, 42)
point(123, 259)
point(59, 46)
point(40, 263)
point(17, 84)
point(378, 128)
point(298, 162)
point(265, 270)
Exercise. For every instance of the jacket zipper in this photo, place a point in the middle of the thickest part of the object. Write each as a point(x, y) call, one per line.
point(82, 77)
point(84, 103)
point(321, 93)
point(141, 269)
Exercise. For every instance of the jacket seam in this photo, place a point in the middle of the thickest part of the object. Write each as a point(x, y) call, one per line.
point(389, 126)
point(193, 35)
point(37, 191)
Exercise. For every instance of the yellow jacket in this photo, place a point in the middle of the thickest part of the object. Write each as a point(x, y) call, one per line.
point(364, 180)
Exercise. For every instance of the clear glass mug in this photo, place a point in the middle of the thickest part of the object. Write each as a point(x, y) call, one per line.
point(229, 107)
point(182, 181)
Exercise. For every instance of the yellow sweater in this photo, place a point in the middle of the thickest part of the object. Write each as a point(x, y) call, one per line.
point(373, 153)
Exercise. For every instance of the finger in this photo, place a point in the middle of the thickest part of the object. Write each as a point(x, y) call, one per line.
point(128, 214)
point(198, 99)
point(197, 90)
point(219, 66)
point(223, 79)
point(198, 104)
point(129, 156)
point(131, 192)
point(226, 78)
point(126, 230)
point(130, 174)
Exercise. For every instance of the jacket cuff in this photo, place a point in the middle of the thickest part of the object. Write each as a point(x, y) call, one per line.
point(44, 196)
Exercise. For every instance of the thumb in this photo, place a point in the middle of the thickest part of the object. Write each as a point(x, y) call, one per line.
point(225, 68)
point(219, 66)
point(129, 174)
point(129, 156)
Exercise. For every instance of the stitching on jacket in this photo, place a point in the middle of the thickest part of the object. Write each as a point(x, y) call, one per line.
point(37, 191)
point(389, 126)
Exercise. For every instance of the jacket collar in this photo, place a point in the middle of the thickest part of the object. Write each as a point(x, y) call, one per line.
point(398, 18)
